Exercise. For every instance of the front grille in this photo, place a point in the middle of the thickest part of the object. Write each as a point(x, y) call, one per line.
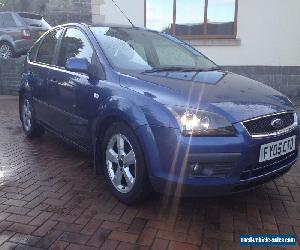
point(263, 125)
point(264, 168)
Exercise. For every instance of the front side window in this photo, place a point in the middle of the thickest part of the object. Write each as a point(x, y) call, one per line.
point(75, 44)
point(32, 53)
point(48, 46)
point(193, 18)
point(140, 50)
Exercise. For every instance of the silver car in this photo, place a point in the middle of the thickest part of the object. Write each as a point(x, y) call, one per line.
point(18, 32)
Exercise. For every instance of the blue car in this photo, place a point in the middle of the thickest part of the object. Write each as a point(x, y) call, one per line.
point(155, 113)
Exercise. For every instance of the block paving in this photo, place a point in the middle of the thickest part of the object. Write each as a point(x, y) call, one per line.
point(50, 198)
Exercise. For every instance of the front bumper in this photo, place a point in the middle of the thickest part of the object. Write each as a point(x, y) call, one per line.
point(209, 190)
point(233, 162)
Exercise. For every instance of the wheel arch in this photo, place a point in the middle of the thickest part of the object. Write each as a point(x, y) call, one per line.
point(115, 110)
point(6, 41)
point(104, 124)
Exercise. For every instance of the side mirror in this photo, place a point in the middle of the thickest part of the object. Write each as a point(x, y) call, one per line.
point(80, 65)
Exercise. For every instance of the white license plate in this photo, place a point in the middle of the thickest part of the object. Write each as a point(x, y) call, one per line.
point(276, 149)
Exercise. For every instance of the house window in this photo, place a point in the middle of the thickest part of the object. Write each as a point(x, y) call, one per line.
point(193, 19)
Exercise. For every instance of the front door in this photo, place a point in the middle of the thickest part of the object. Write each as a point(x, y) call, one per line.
point(73, 93)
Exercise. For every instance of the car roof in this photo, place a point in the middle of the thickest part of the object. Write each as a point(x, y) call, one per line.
point(106, 25)
point(110, 25)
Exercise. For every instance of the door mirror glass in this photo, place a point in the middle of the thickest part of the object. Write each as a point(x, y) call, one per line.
point(80, 65)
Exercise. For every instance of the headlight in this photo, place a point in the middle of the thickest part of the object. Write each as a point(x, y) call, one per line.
point(202, 123)
point(296, 121)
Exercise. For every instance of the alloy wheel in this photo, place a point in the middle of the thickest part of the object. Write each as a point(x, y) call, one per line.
point(121, 163)
point(5, 51)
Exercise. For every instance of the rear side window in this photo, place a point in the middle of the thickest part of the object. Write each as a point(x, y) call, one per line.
point(75, 44)
point(34, 20)
point(7, 21)
point(48, 46)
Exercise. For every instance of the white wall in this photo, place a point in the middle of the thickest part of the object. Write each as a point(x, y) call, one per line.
point(269, 33)
point(268, 30)
point(133, 8)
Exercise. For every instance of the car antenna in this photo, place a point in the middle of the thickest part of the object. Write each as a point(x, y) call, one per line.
point(133, 26)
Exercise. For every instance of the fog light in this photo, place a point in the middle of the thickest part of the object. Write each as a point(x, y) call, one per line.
point(218, 169)
point(196, 169)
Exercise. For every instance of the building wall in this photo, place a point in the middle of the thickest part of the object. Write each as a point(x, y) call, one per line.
point(268, 32)
point(66, 11)
point(98, 15)
point(133, 8)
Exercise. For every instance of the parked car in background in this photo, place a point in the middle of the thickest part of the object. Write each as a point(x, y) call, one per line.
point(155, 112)
point(19, 31)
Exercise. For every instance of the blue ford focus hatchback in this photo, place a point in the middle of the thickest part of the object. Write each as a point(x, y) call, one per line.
point(155, 113)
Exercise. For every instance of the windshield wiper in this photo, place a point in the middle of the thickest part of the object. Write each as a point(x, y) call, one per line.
point(182, 69)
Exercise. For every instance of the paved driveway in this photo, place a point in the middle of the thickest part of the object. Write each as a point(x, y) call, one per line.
point(50, 197)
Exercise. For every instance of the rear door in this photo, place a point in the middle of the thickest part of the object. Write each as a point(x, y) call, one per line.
point(38, 71)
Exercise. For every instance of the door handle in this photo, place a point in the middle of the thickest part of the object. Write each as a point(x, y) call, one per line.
point(54, 80)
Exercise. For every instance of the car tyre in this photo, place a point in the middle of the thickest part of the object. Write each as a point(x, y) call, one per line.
point(6, 51)
point(124, 165)
point(30, 126)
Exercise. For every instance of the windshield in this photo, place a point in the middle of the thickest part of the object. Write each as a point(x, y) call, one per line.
point(34, 20)
point(134, 49)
